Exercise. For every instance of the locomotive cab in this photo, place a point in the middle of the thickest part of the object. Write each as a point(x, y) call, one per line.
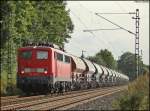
point(43, 69)
point(34, 68)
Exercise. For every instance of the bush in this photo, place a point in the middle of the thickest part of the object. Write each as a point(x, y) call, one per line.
point(3, 83)
point(144, 103)
point(136, 97)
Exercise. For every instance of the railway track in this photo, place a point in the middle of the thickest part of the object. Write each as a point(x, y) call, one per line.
point(61, 101)
point(19, 99)
point(60, 104)
point(8, 97)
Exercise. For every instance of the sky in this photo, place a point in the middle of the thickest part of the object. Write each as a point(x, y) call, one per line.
point(83, 16)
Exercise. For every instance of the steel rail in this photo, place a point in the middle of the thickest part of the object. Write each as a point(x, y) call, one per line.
point(42, 101)
point(67, 100)
point(14, 100)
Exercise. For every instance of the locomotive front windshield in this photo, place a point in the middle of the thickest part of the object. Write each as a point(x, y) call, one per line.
point(26, 54)
point(42, 55)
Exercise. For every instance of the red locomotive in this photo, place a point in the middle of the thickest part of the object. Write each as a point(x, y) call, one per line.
point(49, 69)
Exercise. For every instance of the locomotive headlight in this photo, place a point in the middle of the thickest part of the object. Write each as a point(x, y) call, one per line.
point(45, 71)
point(22, 72)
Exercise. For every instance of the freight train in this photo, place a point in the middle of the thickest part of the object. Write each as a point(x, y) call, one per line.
point(48, 68)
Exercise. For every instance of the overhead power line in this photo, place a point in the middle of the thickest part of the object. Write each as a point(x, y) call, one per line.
point(107, 43)
point(100, 39)
point(115, 24)
point(136, 34)
point(91, 31)
point(117, 13)
point(88, 30)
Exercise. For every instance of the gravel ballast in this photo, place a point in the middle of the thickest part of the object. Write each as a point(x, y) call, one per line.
point(103, 103)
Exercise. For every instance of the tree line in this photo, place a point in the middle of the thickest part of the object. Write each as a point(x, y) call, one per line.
point(125, 64)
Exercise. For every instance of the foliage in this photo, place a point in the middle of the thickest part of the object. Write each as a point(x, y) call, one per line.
point(105, 58)
point(3, 82)
point(36, 21)
point(97, 59)
point(126, 64)
point(137, 95)
point(53, 23)
point(22, 21)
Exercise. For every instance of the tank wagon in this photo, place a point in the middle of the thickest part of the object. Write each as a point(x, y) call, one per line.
point(49, 69)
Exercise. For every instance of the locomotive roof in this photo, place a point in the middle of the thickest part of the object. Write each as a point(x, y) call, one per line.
point(44, 47)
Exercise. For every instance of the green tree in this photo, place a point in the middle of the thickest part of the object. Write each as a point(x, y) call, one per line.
point(35, 21)
point(53, 23)
point(126, 64)
point(16, 16)
point(97, 59)
point(108, 58)
point(105, 58)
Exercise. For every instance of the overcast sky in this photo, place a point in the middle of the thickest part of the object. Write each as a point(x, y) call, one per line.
point(83, 17)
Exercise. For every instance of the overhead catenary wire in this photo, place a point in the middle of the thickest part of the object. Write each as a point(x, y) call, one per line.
point(104, 41)
point(100, 39)
point(92, 32)
point(100, 29)
point(135, 34)
point(118, 13)
point(98, 14)
point(91, 12)
point(136, 37)
point(80, 20)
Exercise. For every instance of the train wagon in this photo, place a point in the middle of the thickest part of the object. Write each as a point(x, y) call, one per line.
point(104, 76)
point(113, 77)
point(109, 81)
point(78, 72)
point(90, 71)
point(98, 75)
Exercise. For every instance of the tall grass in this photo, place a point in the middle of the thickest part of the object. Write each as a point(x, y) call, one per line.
point(136, 97)
point(3, 82)
point(4, 85)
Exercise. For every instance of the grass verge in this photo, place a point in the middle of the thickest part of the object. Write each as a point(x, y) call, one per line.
point(136, 97)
